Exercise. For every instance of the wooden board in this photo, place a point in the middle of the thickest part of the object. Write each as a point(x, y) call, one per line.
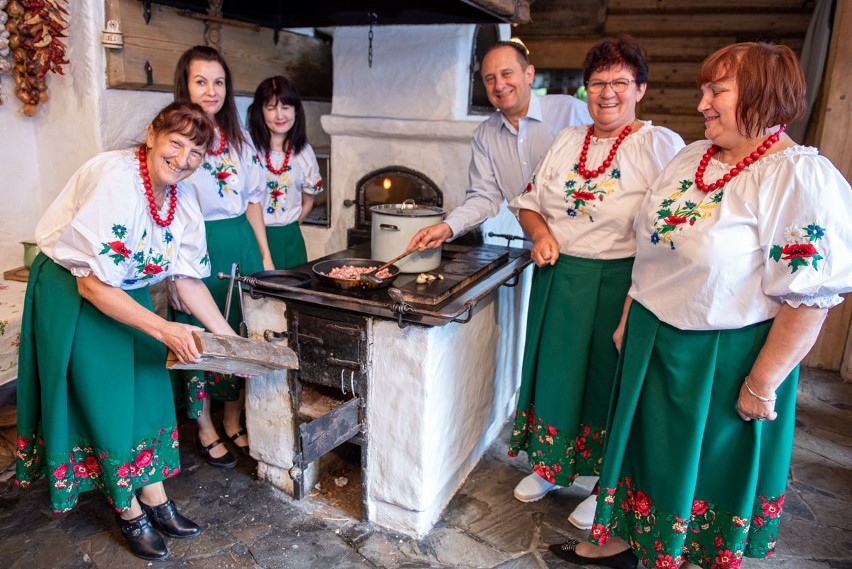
point(21, 274)
point(233, 354)
point(459, 269)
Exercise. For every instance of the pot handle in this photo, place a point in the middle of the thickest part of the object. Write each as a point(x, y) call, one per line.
point(408, 204)
point(388, 227)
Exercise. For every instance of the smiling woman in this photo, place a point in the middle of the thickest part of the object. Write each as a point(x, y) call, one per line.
point(124, 221)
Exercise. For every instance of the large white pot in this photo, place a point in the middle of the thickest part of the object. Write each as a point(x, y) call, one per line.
point(393, 226)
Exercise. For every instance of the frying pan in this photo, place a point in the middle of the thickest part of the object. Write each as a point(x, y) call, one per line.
point(322, 269)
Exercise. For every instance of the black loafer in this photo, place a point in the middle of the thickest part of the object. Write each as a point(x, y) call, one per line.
point(168, 520)
point(145, 542)
point(567, 551)
point(227, 460)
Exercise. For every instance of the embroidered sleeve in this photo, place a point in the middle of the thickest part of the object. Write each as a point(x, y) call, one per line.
point(311, 181)
point(805, 233)
point(101, 237)
point(255, 173)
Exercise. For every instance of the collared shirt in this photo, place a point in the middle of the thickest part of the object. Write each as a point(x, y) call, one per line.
point(777, 233)
point(504, 157)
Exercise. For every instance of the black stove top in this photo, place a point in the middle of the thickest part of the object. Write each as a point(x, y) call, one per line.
point(470, 274)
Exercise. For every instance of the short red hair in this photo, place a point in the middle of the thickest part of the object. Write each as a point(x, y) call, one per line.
point(769, 79)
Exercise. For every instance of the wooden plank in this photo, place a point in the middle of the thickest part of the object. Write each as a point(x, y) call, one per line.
point(565, 19)
point(713, 6)
point(689, 127)
point(20, 274)
point(251, 53)
point(676, 100)
point(561, 53)
point(674, 74)
point(507, 8)
point(329, 431)
point(759, 25)
point(233, 354)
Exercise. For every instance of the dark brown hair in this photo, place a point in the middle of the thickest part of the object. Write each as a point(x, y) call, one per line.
point(520, 49)
point(277, 89)
point(612, 52)
point(187, 119)
point(227, 118)
point(769, 80)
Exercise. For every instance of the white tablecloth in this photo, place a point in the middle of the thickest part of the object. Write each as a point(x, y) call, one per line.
point(11, 311)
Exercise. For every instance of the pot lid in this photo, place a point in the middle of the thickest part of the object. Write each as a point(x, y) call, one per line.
point(408, 209)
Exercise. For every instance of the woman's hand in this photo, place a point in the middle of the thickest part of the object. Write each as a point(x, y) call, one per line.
point(174, 297)
point(178, 338)
point(750, 407)
point(268, 265)
point(545, 250)
point(618, 335)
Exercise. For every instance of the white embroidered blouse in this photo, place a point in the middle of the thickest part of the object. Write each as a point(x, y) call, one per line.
point(282, 197)
point(100, 224)
point(226, 183)
point(594, 218)
point(777, 232)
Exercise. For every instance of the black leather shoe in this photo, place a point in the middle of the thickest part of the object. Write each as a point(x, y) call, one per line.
point(567, 551)
point(168, 520)
point(233, 438)
point(145, 542)
point(227, 460)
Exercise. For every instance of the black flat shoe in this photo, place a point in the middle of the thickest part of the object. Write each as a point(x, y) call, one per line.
point(145, 542)
point(233, 438)
point(168, 520)
point(227, 460)
point(567, 551)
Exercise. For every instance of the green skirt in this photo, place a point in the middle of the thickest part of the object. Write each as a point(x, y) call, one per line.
point(94, 398)
point(569, 366)
point(228, 241)
point(286, 245)
point(684, 478)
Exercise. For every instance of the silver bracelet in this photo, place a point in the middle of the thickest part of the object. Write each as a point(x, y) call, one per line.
point(756, 396)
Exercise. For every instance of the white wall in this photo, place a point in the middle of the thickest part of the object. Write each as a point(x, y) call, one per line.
point(82, 117)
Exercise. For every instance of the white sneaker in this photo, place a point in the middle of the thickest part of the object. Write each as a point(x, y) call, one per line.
point(532, 488)
point(584, 514)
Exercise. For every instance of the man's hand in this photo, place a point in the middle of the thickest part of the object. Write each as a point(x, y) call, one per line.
point(431, 237)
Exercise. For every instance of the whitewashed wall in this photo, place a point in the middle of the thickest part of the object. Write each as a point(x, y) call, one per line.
point(38, 154)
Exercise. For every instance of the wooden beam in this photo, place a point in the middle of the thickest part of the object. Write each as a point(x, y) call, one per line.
point(709, 6)
point(756, 25)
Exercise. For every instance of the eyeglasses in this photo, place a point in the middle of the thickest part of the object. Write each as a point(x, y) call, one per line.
point(618, 85)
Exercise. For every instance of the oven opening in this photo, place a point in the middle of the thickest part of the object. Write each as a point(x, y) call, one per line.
point(340, 480)
point(390, 185)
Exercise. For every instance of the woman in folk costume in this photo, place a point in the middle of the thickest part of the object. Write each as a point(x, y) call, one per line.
point(743, 244)
point(276, 121)
point(95, 408)
point(229, 186)
point(579, 211)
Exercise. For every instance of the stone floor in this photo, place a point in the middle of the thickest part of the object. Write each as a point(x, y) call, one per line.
point(248, 524)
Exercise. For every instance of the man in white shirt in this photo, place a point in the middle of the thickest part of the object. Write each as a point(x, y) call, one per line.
point(509, 144)
point(506, 148)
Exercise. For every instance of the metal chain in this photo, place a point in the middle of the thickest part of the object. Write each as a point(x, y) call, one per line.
point(374, 18)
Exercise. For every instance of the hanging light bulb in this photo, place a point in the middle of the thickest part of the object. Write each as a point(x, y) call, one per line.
point(386, 184)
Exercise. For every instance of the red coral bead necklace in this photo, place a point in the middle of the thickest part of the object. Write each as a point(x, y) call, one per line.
point(149, 191)
point(741, 165)
point(223, 144)
point(279, 171)
point(581, 165)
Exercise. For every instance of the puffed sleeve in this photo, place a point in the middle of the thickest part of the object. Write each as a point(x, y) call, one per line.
point(101, 206)
point(191, 259)
point(665, 144)
point(804, 231)
point(543, 174)
point(255, 174)
point(312, 180)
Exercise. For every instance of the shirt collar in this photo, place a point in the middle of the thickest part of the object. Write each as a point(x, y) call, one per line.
point(533, 112)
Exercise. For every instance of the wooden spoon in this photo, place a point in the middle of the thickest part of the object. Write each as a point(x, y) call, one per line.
point(371, 278)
